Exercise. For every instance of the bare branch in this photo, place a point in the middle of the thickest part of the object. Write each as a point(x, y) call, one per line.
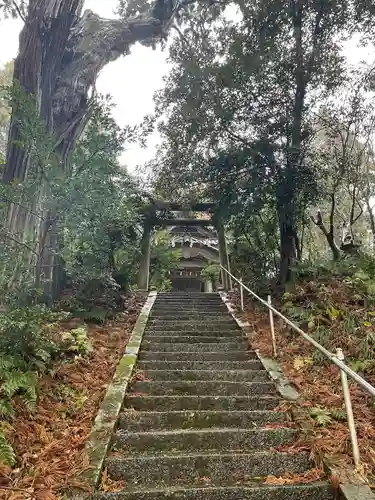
point(9, 236)
point(15, 5)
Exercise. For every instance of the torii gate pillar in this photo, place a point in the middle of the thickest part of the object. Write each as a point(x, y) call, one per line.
point(144, 263)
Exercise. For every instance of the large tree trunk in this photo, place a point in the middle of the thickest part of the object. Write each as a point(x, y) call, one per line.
point(286, 201)
point(60, 56)
point(288, 241)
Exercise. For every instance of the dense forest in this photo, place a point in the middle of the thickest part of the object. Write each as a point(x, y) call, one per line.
point(261, 113)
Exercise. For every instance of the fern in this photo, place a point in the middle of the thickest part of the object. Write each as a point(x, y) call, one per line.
point(338, 415)
point(322, 417)
point(368, 346)
point(29, 398)
point(18, 382)
point(7, 455)
point(6, 409)
point(6, 363)
point(14, 381)
point(362, 365)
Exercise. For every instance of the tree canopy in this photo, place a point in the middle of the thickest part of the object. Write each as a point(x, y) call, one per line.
point(259, 113)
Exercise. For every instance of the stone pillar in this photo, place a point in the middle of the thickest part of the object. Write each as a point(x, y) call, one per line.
point(224, 259)
point(208, 286)
point(144, 263)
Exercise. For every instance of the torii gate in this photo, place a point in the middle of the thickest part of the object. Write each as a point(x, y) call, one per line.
point(151, 220)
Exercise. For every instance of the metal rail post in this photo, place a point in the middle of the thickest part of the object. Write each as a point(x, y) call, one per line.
point(241, 294)
point(272, 328)
point(349, 410)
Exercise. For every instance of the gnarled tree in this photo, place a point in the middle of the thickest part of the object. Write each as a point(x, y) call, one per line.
point(62, 50)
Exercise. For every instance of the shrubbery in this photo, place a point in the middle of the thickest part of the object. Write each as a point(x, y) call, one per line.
point(30, 341)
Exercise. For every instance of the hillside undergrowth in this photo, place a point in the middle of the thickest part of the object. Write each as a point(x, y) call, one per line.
point(336, 306)
point(51, 392)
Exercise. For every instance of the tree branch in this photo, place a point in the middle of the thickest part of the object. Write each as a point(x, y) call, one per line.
point(15, 5)
point(10, 237)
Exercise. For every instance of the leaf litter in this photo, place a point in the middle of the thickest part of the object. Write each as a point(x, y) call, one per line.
point(50, 443)
point(341, 319)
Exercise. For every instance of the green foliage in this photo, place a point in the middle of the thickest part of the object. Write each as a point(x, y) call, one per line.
point(77, 341)
point(6, 74)
point(29, 342)
point(23, 336)
point(368, 346)
point(95, 202)
point(93, 299)
point(7, 454)
point(163, 260)
point(102, 219)
point(15, 382)
point(211, 272)
point(362, 365)
point(324, 417)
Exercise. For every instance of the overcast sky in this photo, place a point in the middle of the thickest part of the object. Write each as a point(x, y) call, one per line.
point(131, 80)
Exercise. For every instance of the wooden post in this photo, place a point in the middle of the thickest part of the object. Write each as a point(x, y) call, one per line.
point(144, 264)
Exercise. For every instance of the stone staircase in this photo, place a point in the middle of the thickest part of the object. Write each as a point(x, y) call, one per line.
point(201, 424)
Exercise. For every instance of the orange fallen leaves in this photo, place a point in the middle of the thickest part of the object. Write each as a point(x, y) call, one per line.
point(50, 443)
point(289, 478)
point(109, 485)
point(319, 384)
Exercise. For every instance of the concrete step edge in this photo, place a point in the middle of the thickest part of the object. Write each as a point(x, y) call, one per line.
point(182, 469)
point(215, 366)
point(194, 339)
point(203, 372)
point(199, 346)
point(209, 430)
point(213, 455)
point(178, 402)
point(197, 387)
point(283, 492)
point(181, 441)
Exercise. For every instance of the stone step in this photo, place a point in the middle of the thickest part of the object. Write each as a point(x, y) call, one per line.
point(191, 339)
point(201, 347)
point(201, 440)
point(228, 375)
point(190, 316)
point(253, 364)
point(188, 322)
point(187, 328)
point(197, 356)
point(187, 294)
point(182, 296)
point(192, 301)
point(222, 469)
point(189, 304)
point(199, 332)
point(170, 306)
point(134, 421)
point(316, 491)
point(203, 387)
point(198, 309)
point(196, 304)
point(181, 403)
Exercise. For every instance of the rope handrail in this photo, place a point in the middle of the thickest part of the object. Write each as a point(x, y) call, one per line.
point(332, 357)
